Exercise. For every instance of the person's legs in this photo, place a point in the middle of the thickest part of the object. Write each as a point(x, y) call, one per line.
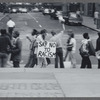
point(10, 30)
point(56, 59)
point(88, 63)
point(4, 60)
point(60, 54)
point(73, 60)
point(34, 61)
point(15, 64)
point(83, 63)
point(0, 62)
point(66, 55)
point(44, 63)
point(40, 61)
point(29, 61)
point(98, 64)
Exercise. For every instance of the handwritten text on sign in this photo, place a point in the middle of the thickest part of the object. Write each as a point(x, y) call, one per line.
point(46, 49)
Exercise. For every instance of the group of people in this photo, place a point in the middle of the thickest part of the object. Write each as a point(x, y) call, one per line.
point(11, 48)
point(10, 45)
point(86, 49)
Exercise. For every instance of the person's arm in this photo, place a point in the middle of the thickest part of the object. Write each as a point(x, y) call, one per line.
point(29, 39)
point(9, 42)
point(19, 47)
point(27, 36)
point(97, 44)
point(60, 34)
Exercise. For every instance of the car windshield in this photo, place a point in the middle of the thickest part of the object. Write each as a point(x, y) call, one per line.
point(73, 15)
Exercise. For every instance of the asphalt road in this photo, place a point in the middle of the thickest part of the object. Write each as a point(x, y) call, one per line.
point(25, 22)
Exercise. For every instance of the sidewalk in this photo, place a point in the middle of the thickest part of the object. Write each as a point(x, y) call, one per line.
point(89, 22)
point(46, 82)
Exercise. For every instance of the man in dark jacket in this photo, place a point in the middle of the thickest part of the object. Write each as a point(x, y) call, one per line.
point(98, 47)
point(16, 51)
point(4, 44)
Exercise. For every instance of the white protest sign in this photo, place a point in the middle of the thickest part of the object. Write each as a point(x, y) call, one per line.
point(46, 49)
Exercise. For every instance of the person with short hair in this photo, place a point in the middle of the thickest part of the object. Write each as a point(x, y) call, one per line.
point(17, 49)
point(59, 51)
point(4, 44)
point(71, 49)
point(88, 50)
point(11, 26)
point(32, 60)
point(42, 62)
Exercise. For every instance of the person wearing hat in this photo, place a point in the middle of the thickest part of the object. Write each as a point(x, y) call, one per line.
point(4, 44)
point(17, 49)
point(71, 49)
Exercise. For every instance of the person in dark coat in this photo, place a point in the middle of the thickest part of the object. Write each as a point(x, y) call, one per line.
point(16, 51)
point(98, 47)
point(4, 44)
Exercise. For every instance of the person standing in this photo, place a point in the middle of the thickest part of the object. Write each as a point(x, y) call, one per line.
point(11, 26)
point(96, 16)
point(17, 49)
point(71, 49)
point(32, 60)
point(42, 62)
point(4, 44)
point(98, 48)
point(86, 50)
point(59, 51)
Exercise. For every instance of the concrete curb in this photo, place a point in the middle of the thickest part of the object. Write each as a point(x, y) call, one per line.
point(91, 28)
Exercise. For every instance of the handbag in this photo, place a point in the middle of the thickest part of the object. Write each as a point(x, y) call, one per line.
point(82, 52)
point(69, 47)
point(67, 64)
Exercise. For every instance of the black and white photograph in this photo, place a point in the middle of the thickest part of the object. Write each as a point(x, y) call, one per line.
point(49, 49)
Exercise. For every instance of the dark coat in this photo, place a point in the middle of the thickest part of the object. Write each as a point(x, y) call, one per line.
point(16, 51)
point(91, 49)
point(98, 44)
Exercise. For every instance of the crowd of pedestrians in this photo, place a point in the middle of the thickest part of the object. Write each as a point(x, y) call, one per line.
point(11, 48)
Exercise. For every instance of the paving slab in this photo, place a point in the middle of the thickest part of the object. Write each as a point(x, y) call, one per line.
point(47, 82)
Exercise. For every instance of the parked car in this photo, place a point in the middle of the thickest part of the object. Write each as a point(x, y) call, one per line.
point(55, 14)
point(13, 10)
point(46, 11)
point(73, 18)
point(22, 10)
point(35, 9)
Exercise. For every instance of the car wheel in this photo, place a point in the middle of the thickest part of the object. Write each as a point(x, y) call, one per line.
point(80, 24)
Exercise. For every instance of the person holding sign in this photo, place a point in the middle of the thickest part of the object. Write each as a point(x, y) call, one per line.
point(42, 62)
point(59, 52)
point(98, 49)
